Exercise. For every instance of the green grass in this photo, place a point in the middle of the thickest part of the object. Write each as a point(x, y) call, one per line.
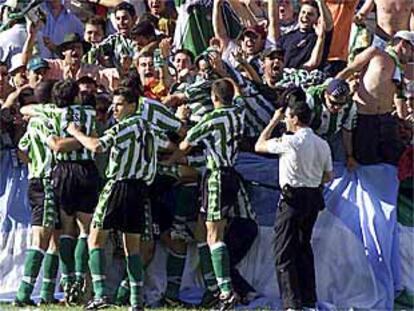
point(8, 307)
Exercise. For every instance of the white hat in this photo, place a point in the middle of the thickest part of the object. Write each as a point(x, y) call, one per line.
point(16, 63)
point(16, 4)
point(405, 35)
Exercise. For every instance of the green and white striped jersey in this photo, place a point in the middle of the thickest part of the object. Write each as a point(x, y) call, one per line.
point(132, 150)
point(161, 119)
point(34, 142)
point(219, 132)
point(82, 116)
point(115, 45)
point(301, 78)
point(259, 108)
point(198, 95)
point(325, 123)
point(158, 115)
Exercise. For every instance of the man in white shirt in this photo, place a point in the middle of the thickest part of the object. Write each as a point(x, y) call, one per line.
point(305, 164)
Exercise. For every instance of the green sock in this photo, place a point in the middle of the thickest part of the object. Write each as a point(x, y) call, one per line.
point(81, 259)
point(32, 264)
point(50, 269)
point(221, 265)
point(135, 275)
point(123, 291)
point(97, 268)
point(67, 259)
point(207, 267)
point(175, 269)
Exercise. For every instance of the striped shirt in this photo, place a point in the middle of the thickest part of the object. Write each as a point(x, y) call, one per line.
point(219, 132)
point(259, 110)
point(325, 123)
point(132, 150)
point(82, 116)
point(259, 106)
point(160, 118)
point(34, 143)
point(158, 115)
point(115, 45)
point(198, 95)
point(301, 78)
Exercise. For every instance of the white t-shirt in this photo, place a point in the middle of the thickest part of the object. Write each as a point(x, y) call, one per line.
point(303, 158)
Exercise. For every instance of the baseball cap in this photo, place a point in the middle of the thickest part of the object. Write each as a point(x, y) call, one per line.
point(36, 63)
point(405, 35)
point(338, 88)
point(16, 63)
point(273, 52)
point(16, 4)
point(256, 29)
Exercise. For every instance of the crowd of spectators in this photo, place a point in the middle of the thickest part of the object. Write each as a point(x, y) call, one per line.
point(353, 59)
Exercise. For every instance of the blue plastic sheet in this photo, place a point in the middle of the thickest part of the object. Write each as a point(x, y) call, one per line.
point(363, 202)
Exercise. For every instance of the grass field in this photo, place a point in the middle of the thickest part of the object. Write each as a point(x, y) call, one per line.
point(7, 307)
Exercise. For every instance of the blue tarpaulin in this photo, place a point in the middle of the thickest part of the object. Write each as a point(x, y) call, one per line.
point(355, 238)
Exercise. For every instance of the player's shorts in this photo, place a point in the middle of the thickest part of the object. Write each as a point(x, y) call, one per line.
point(219, 193)
point(76, 185)
point(122, 206)
point(42, 203)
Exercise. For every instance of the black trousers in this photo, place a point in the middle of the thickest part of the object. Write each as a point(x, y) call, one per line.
point(296, 215)
point(239, 237)
point(376, 139)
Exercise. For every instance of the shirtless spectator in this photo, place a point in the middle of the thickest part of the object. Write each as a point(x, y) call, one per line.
point(376, 133)
point(392, 16)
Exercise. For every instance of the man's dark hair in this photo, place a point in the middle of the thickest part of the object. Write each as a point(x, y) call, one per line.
point(87, 99)
point(97, 21)
point(4, 64)
point(224, 91)
point(186, 52)
point(86, 80)
point(125, 6)
point(295, 100)
point(312, 3)
point(26, 96)
point(133, 82)
point(64, 93)
point(43, 91)
point(126, 93)
point(149, 18)
point(145, 29)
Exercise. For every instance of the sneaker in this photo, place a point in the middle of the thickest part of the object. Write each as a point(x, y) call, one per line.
point(249, 297)
point(98, 303)
point(136, 308)
point(24, 303)
point(75, 293)
point(181, 232)
point(210, 299)
point(45, 302)
point(227, 303)
point(67, 288)
point(175, 303)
